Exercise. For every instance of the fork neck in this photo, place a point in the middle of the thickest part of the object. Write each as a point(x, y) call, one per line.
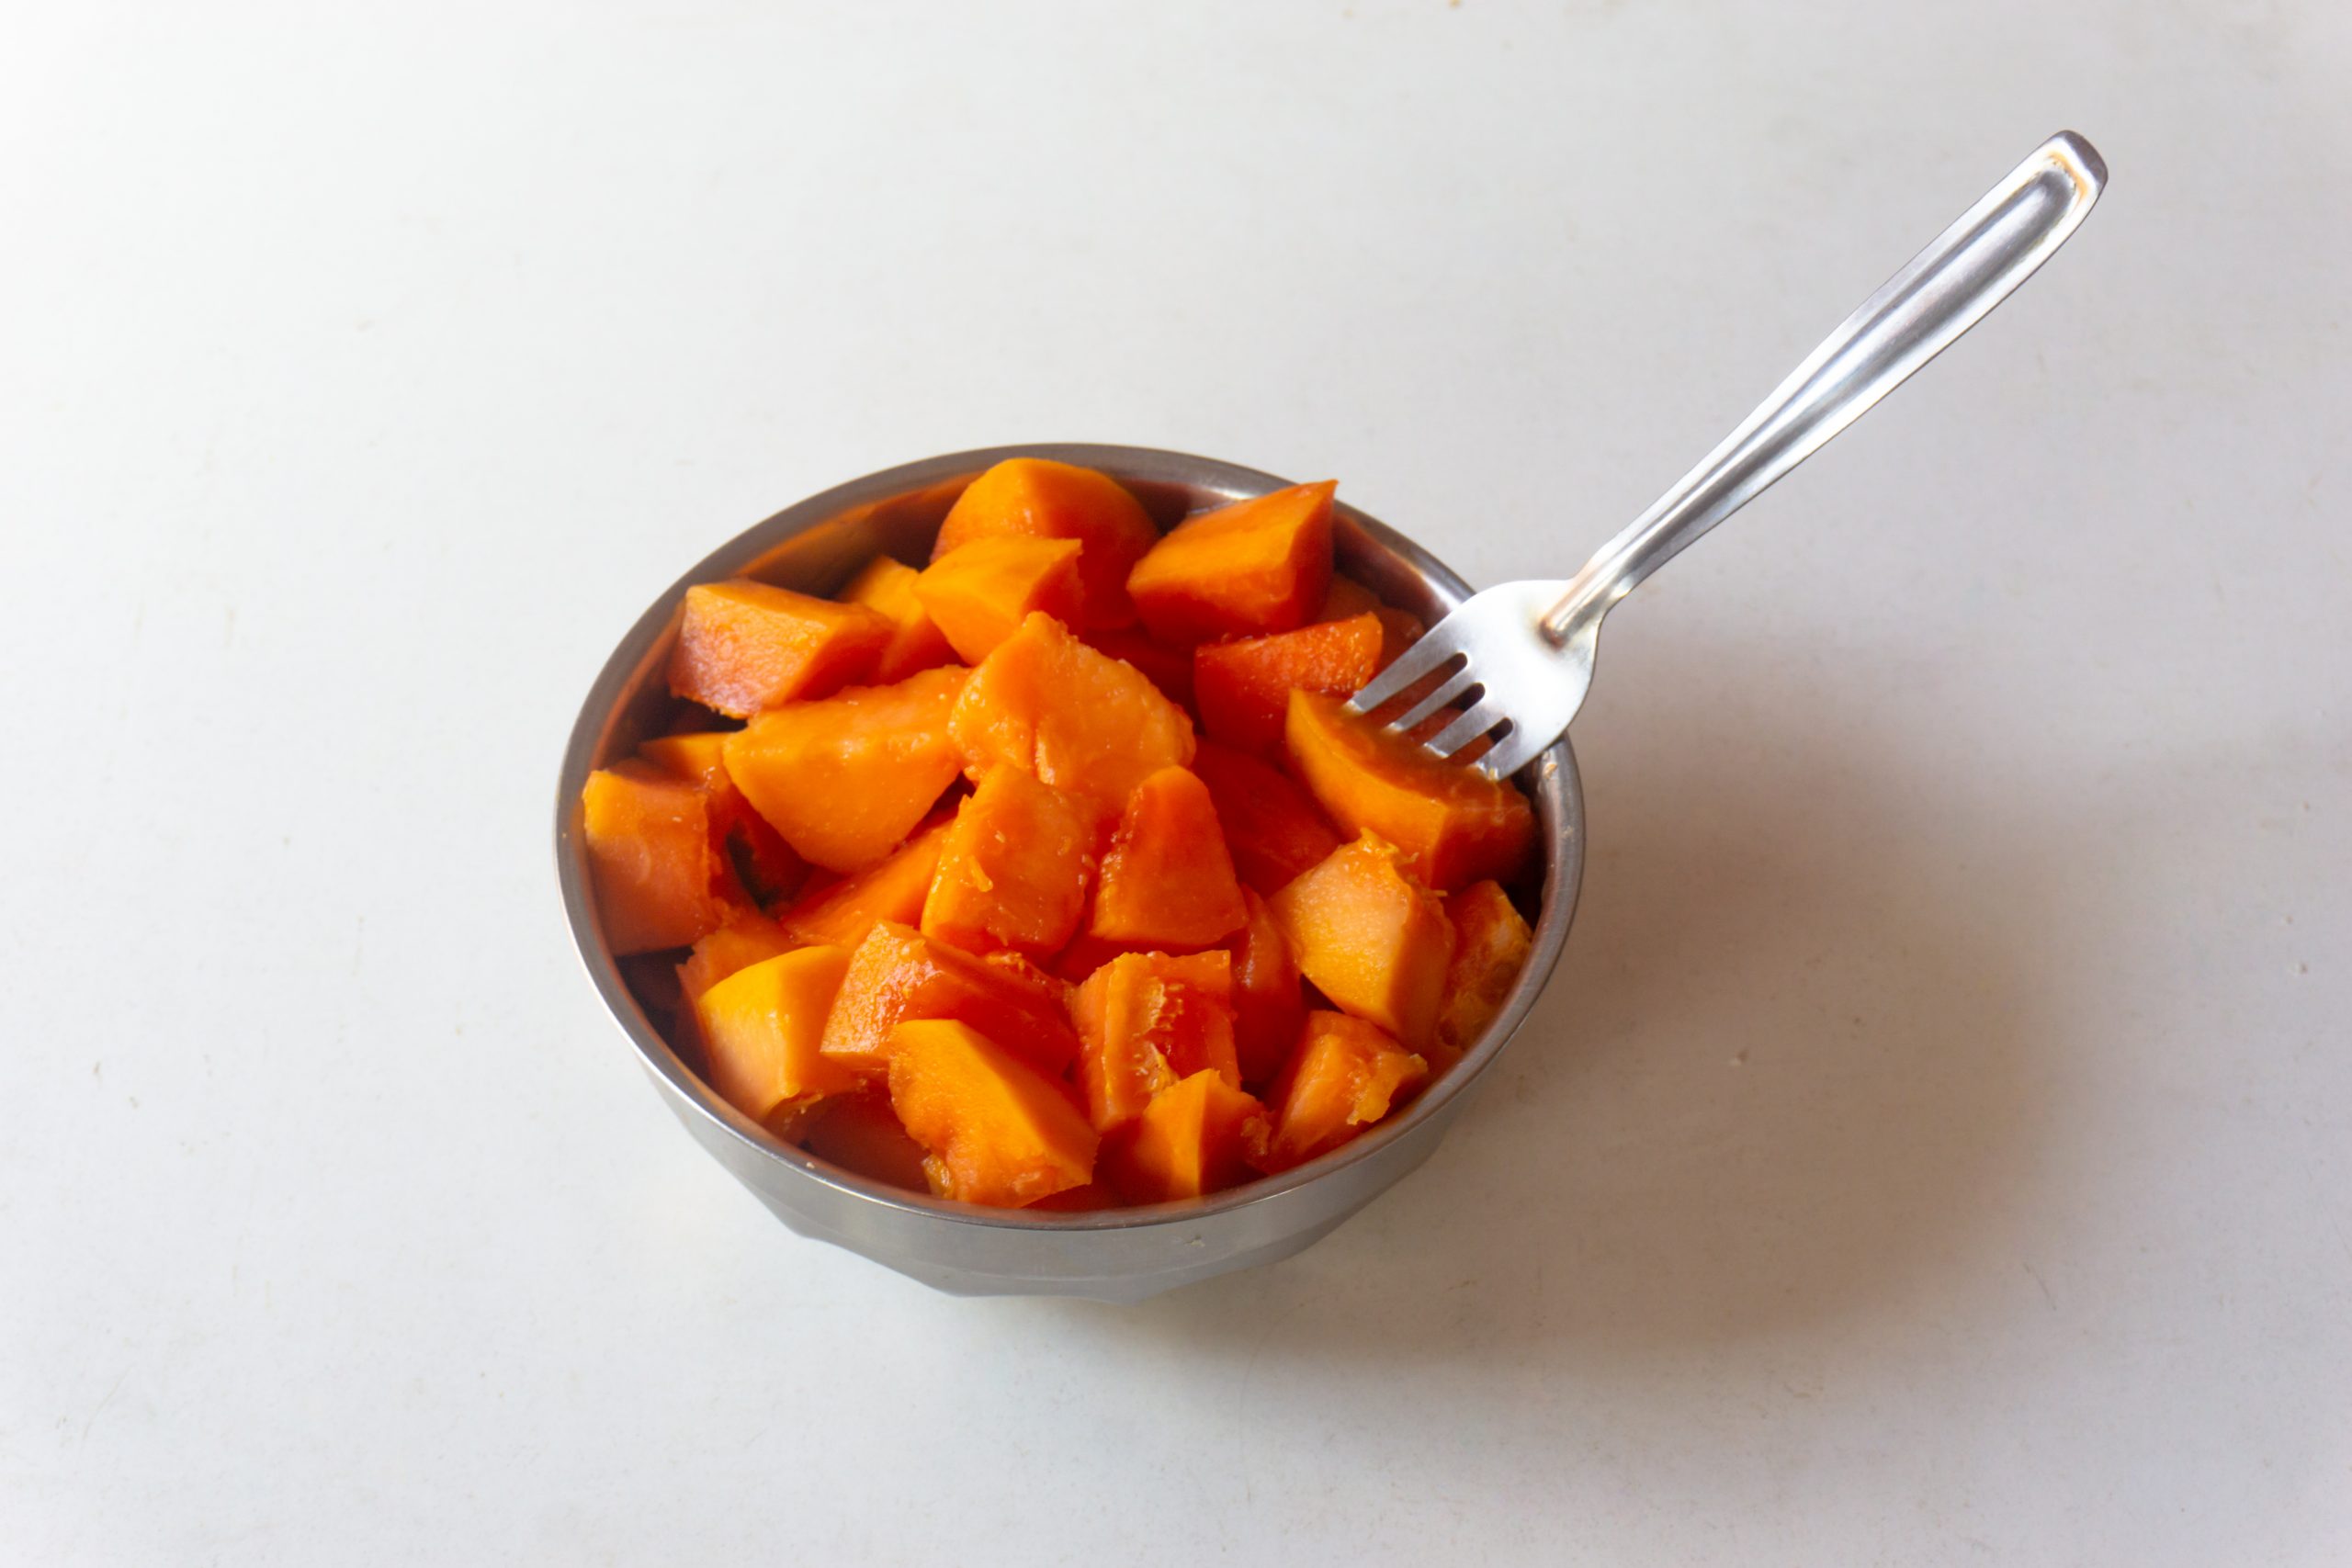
point(1590, 594)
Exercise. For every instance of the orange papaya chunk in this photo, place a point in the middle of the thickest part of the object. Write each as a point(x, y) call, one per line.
point(1346, 597)
point(994, 1129)
point(1084, 955)
point(886, 587)
point(1146, 1020)
point(1260, 565)
point(1399, 630)
point(979, 594)
point(846, 778)
point(760, 1028)
point(744, 647)
point(1371, 938)
point(769, 868)
point(691, 755)
point(1165, 665)
point(899, 974)
point(1038, 498)
point(1242, 688)
point(842, 912)
point(1167, 878)
point(1453, 824)
point(660, 882)
point(1344, 1078)
point(1490, 946)
point(1014, 868)
point(861, 1133)
point(1268, 1003)
point(1273, 827)
point(1197, 1136)
point(746, 938)
point(1083, 722)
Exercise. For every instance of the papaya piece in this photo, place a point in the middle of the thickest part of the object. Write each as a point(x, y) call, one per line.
point(995, 1131)
point(769, 868)
point(1085, 954)
point(1491, 941)
point(1399, 630)
point(842, 912)
point(691, 755)
point(1344, 1077)
point(1370, 937)
point(898, 974)
point(1167, 666)
point(1346, 597)
point(660, 881)
point(1023, 967)
point(846, 779)
point(1167, 878)
point(1083, 722)
point(744, 647)
point(1242, 688)
point(1268, 1002)
point(746, 938)
point(1198, 1135)
point(761, 1029)
point(1146, 1020)
point(1259, 565)
point(861, 1133)
point(1273, 829)
point(978, 593)
point(886, 587)
point(1453, 824)
point(1038, 498)
point(1012, 869)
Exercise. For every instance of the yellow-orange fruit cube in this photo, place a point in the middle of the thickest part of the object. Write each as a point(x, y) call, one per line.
point(1038, 498)
point(978, 594)
point(995, 1130)
point(744, 647)
point(761, 1029)
point(1198, 1135)
point(1088, 724)
point(1453, 824)
point(886, 587)
point(1259, 565)
point(1344, 1078)
point(846, 779)
point(1491, 941)
point(659, 879)
point(1012, 869)
point(1146, 1020)
point(1371, 939)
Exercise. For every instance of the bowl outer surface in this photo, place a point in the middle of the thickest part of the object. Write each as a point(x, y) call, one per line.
point(1113, 1255)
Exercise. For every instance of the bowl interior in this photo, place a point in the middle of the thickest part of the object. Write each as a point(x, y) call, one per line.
point(815, 547)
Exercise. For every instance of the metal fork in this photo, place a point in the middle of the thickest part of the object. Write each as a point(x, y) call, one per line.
point(1521, 654)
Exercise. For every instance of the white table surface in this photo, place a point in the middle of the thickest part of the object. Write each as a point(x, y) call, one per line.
point(1936, 1147)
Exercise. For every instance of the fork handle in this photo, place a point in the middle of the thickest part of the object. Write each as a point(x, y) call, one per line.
point(1946, 289)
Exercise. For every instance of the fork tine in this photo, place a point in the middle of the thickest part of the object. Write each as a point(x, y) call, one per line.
point(1412, 665)
point(1481, 717)
point(1517, 748)
point(1452, 687)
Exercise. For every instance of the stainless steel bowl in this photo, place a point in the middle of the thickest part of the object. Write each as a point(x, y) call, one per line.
point(1121, 1255)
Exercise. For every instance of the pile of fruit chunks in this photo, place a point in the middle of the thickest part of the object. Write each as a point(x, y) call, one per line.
point(1057, 873)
